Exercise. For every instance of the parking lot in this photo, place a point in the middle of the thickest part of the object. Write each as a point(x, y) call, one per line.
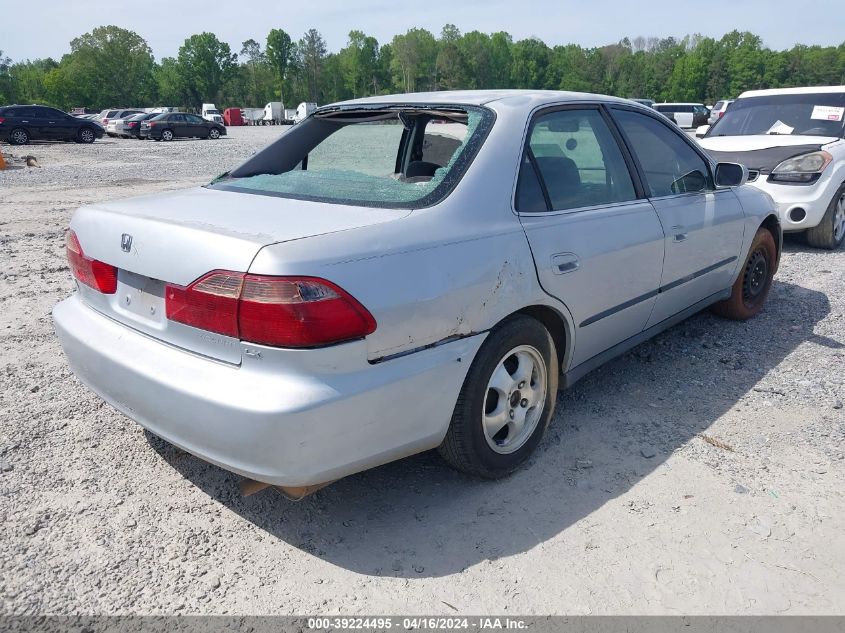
point(699, 473)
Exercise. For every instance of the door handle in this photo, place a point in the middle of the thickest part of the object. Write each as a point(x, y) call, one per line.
point(565, 263)
point(680, 235)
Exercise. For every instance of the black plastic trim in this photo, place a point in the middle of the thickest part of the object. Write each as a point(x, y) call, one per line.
point(653, 293)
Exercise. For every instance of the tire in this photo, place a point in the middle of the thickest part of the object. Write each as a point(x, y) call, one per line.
point(493, 385)
point(214, 134)
point(18, 136)
point(751, 288)
point(86, 135)
point(830, 232)
point(167, 135)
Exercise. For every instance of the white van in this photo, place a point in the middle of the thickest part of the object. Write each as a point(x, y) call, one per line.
point(687, 115)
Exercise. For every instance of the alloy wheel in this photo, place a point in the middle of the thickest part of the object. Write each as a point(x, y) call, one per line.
point(514, 399)
point(839, 219)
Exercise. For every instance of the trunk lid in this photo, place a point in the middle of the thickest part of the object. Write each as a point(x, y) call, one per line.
point(178, 237)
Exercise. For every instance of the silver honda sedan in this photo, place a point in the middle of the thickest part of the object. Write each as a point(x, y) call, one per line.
point(407, 272)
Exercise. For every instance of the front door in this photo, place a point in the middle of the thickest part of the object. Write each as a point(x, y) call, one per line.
point(703, 226)
point(597, 243)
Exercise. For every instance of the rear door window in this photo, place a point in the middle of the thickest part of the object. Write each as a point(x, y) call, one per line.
point(577, 160)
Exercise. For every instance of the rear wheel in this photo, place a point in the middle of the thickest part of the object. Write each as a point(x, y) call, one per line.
point(86, 135)
point(830, 232)
point(750, 290)
point(506, 401)
point(19, 136)
point(167, 135)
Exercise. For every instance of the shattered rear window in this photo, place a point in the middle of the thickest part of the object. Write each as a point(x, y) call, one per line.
point(386, 156)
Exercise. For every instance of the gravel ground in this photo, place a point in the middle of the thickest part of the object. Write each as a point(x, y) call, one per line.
point(700, 473)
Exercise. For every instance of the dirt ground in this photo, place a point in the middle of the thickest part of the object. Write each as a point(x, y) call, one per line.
point(701, 473)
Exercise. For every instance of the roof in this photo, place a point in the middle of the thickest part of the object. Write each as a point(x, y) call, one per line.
point(792, 91)
point(481, 97)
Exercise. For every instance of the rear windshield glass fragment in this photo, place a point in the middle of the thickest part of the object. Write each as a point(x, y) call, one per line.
point(390, 157)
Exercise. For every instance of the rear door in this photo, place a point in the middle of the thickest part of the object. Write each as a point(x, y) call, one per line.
point(197, 126)
point(28, 117)
point(703, 226)
point(596, 240)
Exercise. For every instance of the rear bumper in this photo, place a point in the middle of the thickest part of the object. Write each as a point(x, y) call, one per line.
point(294, 421)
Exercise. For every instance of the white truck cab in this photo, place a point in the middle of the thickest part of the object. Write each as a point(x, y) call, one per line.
point(303, 110)
point(211, 113)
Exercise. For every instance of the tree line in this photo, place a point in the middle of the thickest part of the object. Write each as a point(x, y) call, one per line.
point(112, 66)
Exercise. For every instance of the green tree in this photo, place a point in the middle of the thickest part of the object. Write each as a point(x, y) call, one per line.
point(414, 60)
point(451, 66)
point(6, 94)
point(358, 64)
point(311, 51)
point(530, 61)
point(500, 59)
point(108, 66)
point(204, 65)
point(280, 51)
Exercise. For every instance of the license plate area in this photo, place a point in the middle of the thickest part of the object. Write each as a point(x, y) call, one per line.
point(140, 298)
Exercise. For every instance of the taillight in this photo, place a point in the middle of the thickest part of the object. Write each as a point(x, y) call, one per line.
point(275, 311)
point(151, 123)
point(2, 119)
point(132, 124)
point(91, 272)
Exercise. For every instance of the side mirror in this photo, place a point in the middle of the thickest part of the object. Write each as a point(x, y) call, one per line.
point(731, 175)
point(701, 130)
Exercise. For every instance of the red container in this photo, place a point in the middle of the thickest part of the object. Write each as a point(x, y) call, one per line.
point(232, 116)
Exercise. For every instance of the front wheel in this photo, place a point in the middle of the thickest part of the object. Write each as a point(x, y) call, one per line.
point(751, 288)
point(506, 402)
point(214, 134)
point(830, 232)
point(167, 135)
point(86, 135)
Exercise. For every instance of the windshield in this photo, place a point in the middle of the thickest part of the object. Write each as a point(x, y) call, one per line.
point(819, 114)
point(212, 111)
point(398, 157)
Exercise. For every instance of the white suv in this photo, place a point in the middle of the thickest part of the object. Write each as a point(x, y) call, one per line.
point(718, 110)
point(791, 140)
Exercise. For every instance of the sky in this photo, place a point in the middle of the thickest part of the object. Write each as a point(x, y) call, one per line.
point(166, 23)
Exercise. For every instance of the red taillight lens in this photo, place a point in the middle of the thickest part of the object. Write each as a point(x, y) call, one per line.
point(275, 311)
point(2, 119)
point(91, 272)
point(151, 123)
point(132, 124)
point(210, 303)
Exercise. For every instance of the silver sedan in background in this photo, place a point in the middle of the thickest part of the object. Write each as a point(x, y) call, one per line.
point(407, 272)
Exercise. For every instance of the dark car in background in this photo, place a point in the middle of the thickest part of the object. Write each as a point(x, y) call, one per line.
point(20, 124)
point(131, 127)
point(170, 125)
